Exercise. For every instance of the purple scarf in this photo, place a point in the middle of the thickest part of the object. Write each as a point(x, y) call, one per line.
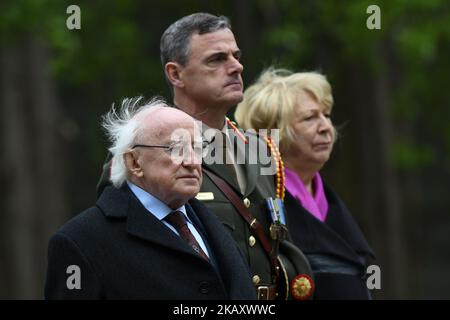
point(317, 205)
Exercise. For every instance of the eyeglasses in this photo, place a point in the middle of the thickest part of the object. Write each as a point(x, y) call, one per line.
point(174, 146)
point(168, 147)
point(180, 151)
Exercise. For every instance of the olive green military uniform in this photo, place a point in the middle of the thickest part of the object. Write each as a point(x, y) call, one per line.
point(260, 172)
point(258, 187)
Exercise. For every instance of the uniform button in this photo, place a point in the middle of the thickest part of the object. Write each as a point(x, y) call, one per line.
point(247, 202)
point(251, 241)
point(256, 279)
point(204, 287)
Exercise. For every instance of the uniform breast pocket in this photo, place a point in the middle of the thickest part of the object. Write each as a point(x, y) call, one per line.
point(223, 210)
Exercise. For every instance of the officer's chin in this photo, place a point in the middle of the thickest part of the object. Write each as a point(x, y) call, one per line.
point(235, 96)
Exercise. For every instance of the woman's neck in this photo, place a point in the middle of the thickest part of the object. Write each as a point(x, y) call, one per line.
point(304, 173)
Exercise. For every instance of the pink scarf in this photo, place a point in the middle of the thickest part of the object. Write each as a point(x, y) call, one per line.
point(317, 205)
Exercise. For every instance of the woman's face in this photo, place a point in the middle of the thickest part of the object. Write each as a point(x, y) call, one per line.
point(313, 131)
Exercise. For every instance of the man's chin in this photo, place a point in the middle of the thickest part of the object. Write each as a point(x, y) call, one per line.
point(190, 191)
point(234, 98)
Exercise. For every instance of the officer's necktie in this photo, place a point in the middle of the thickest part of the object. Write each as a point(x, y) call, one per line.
point(230, 160)
point(178, 221)
point(227, 154)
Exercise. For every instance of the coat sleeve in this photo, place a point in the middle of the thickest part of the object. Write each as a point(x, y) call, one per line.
point(69, 273)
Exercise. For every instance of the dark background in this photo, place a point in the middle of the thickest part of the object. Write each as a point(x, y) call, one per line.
point(392, 107)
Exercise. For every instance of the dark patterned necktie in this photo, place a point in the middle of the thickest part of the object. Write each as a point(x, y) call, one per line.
point(178, 221)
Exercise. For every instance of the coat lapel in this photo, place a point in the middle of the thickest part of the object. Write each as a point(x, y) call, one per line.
point(225, 250)
point(343, 223)
point(328, 239)
point(121, 203)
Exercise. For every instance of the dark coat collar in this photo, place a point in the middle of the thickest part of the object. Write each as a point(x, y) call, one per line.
point(338, 235)
point(123, 204)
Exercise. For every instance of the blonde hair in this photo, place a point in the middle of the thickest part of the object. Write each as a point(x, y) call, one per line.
point(270, 102)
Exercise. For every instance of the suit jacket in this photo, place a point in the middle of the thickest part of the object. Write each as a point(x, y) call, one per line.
point(337, 241)
point(124, 252)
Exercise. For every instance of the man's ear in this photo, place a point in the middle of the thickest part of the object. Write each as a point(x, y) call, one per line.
point(173, 73)
point(132, 164)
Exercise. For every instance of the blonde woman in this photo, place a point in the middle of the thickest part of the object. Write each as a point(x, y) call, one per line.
point(300, 105)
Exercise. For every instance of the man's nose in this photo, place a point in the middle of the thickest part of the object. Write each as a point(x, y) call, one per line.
point(191, 157)
point(235, 66)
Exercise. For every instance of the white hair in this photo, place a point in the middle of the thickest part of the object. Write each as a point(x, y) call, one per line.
point(122, 128)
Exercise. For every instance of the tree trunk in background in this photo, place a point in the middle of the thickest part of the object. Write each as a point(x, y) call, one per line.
point(20, 201)
point(362, 130)
point(390, 189)
point(34, 187)
point(49, 155)
point(379, 192)
point(245, 29)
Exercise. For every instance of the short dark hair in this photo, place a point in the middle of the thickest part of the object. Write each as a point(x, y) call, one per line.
point(174, 44)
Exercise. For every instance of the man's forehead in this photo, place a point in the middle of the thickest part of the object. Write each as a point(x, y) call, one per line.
point(220, 40)
point(166, 119)
point(177, 130)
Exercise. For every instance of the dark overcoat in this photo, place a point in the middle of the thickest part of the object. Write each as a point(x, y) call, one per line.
point(336, 248)
point(124, 252)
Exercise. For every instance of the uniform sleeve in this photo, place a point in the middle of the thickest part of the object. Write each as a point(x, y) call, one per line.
point(69, 274)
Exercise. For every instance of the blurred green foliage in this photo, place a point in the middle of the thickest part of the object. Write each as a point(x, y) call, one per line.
point(116, 51)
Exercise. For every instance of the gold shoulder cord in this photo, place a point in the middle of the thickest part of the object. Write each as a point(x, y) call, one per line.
point(236, 130)
point(280, 168)
point(276, 155)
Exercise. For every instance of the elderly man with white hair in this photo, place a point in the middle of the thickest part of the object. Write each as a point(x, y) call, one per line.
point(147, 237)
